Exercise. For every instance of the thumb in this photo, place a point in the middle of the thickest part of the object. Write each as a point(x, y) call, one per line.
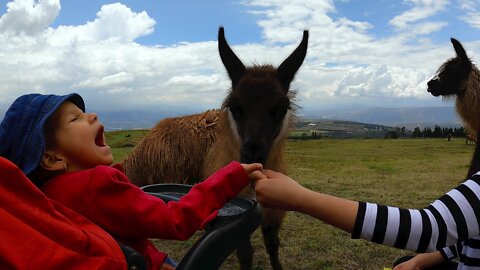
point(249, 168)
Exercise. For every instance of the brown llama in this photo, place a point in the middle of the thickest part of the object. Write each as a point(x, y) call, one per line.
point(469, 138)
point(251, 126)
point(458, 77)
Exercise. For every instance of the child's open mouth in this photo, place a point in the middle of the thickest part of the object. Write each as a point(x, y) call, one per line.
point(100, 138)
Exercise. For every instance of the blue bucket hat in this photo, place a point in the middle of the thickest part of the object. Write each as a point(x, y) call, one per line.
point(21, 131)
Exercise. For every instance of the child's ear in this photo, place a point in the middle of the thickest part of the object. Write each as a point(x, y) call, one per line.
point(52, 162)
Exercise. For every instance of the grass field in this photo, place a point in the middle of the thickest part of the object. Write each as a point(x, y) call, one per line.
point(406, 172)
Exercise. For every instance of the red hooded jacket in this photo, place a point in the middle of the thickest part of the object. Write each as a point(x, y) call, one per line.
point(106, 197)
point(39, 233)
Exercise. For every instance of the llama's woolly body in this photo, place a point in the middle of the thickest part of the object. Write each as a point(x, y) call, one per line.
point(174, 150)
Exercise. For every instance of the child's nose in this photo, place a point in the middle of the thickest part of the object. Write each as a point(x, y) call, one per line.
point(92, 117)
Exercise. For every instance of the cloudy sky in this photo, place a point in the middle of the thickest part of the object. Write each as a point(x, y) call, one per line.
point(149, 54)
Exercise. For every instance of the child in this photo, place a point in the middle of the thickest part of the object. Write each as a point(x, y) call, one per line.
point(39, 233)
point(64, 151)
point(452, 219)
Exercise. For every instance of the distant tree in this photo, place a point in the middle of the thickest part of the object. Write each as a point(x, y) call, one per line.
point(455, 132)
point(316, 135)
point(392, 134)
point(437, 132)
point(446, 131)
point(427, 132)
point(417, 133)
point(459, 132)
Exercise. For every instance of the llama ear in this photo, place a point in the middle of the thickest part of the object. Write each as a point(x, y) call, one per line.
point(459, 49)
point(286, 71)
point(234, 66)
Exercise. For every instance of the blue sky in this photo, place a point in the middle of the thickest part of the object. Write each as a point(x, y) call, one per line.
point(176, 21)
point(192, 21)
point(149, 54)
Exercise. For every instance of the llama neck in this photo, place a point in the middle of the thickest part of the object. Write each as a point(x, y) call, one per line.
point(276, 160)
point(226, 146)
point(473, 84)
point(472, 91)
point(468, 105)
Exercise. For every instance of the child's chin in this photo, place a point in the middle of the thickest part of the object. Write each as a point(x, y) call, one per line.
point(105, 150)
point(109, 161)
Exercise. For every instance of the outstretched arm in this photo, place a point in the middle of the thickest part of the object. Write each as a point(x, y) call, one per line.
point(287, 194)
point(452, 217)
point(422, 261)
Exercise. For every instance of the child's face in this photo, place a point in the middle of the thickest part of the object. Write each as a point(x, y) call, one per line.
point(79, 138)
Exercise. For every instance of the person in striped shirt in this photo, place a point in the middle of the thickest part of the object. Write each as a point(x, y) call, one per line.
point(448, 227)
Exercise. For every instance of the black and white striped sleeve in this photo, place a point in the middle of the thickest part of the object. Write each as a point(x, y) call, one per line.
point(454, 216)
point(450, 253)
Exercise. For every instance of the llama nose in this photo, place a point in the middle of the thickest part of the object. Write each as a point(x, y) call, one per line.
point(252, 152)
point(432, 85)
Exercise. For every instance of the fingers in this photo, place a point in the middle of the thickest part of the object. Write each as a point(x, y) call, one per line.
point(257, 175)
point(271, 174)
point(252, 167)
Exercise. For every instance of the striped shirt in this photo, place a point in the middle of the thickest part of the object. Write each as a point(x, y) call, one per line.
point(450, 224)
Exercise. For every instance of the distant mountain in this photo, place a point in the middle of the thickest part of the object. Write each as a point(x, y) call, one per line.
point(391, 117)
point(444, 116)
point(340, 129)
point(122, 120)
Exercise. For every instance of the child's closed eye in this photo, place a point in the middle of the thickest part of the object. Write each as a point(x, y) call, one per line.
point(74, 118)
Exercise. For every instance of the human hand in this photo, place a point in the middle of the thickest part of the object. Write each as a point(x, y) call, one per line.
point(276, 190)
point(422, 261)
point(254, 171)
point(167, 266)
point(408, 265)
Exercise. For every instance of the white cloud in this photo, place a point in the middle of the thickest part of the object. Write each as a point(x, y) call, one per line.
point(98, 56)
point(200, 82)
point(421, 9)
point(358, 26)
point(117, 79)
point(114, 22)
point(383, 81)
point(469, 5)
point(472, 16)
point(29, 17)
point(281, 19)
point(417, 20)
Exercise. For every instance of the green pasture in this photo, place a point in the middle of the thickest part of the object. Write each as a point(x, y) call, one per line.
point(405, 172)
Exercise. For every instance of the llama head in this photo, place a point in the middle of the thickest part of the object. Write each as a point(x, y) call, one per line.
point(451, 77)
point(259, 101)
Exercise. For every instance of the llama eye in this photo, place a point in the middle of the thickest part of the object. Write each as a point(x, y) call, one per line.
point(237, 112)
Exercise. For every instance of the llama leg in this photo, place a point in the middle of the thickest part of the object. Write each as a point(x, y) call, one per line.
point(270, 229)
point(245, 255)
